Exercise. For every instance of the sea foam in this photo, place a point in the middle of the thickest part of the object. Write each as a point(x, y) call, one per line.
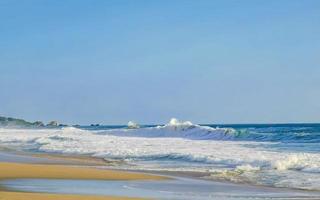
point(180, 146)
point(176, 129)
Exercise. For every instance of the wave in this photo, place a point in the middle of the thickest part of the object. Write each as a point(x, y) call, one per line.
point(286, 133)
point(183, 146)
point(176, 129)
point(296, 171)
point(188, 130)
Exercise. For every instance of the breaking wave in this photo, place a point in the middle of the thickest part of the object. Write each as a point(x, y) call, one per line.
point(258, 155)
point(176, 129)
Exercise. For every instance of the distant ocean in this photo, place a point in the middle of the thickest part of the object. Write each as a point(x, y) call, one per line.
point(278, 155)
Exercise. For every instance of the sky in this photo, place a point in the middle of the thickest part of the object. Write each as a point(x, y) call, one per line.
point(108, 62)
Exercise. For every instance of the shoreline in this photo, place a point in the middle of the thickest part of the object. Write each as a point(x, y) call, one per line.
point(42, 158)
point(10, 195)
point(44, 171)
point(68, 168)
point(72, 168)
point(55, 158)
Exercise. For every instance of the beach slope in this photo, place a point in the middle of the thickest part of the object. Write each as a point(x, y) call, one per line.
point(41, 171)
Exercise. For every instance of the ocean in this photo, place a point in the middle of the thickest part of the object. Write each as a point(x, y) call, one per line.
point(277, 155)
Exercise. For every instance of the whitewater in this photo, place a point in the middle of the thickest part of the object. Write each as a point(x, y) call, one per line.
point(270, 155)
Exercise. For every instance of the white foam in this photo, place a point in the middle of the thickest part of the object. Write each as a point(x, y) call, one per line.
point(176, 129)
point(247, 167)
point(176, 123)
point(296, 161)
point(133, 125)
point(178, 146)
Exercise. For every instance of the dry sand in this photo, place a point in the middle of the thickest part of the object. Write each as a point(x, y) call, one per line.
point(36, 171)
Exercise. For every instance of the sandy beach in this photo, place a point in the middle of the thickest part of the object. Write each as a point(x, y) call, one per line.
point(162, 100)
point(11, 170)
point(43, 176)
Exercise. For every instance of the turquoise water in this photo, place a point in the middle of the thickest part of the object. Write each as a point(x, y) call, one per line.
point(277, 155)
point(287, 133)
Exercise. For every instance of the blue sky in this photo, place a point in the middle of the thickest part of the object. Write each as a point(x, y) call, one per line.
point(205, 61)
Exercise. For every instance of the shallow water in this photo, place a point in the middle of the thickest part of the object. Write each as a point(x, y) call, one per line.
point(278, 155)
point(13, 157)
point(178, 189)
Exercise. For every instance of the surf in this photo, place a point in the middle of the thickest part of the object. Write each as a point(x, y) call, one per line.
point(286, 155)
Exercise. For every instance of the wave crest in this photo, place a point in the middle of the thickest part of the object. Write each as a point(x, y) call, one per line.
point(177, 129)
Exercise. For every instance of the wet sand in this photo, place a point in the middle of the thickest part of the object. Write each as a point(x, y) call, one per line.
point(11, 155)
point(39, 196)
point(36, 171)
point(173, 189)
point(26, 176)
point(12, 170)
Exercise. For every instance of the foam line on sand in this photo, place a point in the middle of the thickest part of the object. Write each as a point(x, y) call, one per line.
point(36, 171)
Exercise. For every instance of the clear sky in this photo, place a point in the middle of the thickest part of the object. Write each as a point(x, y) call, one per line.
point(104, 61)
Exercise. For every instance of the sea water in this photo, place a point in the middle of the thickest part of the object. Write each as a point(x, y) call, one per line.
point(282, 155)
point(175, 189)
